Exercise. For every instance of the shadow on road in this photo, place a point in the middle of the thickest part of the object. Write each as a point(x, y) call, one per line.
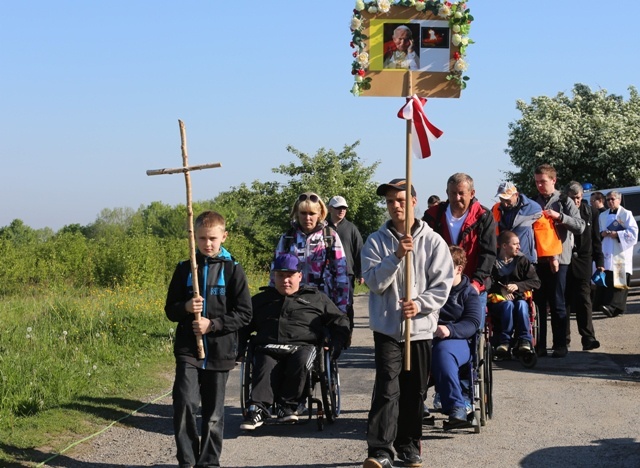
point(621, 453)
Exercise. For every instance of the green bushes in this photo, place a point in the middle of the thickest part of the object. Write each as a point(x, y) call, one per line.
point(58, 348)
point(72, 260)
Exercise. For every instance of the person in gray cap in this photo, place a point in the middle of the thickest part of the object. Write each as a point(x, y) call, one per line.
point(351, 243)
point(395, 419)
point(516, 212)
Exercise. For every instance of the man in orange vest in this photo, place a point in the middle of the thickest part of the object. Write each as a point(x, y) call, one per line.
point(516, 212)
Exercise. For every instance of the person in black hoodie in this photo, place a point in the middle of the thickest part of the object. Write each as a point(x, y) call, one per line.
point(459, 321)
point(225, 305)
point(289, 322)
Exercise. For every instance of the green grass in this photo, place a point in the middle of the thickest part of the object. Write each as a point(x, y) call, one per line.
point(71, 361)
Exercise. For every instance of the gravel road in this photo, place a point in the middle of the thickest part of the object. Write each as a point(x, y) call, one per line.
point(581, 411)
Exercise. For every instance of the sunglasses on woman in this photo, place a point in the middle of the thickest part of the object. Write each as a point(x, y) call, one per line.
point(309, 196)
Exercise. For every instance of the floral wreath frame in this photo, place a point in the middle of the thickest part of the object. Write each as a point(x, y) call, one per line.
point(456, 13)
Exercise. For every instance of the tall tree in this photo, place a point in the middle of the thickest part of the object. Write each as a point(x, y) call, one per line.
point(589, 137)
point(261, 211)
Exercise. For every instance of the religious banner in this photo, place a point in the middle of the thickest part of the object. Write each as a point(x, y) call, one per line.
point(427, 38)
point(413, 49)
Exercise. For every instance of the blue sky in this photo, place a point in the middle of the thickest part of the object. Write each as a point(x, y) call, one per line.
point(91, 92)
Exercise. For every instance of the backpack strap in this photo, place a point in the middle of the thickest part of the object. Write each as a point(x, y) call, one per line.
point(289, 238)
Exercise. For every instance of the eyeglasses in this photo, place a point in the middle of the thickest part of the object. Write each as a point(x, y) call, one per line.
point(611, 199)
point(310, 196)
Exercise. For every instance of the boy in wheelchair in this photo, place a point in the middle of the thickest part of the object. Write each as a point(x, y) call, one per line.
point(513, 276)
point(458, 322)
point(289, 322)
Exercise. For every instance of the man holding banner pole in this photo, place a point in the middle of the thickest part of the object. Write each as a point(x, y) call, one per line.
point(395, 418)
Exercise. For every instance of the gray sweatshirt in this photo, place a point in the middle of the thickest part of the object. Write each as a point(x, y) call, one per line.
point(431, 279)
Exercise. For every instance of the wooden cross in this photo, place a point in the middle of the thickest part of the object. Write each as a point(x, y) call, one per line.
point(186, 170)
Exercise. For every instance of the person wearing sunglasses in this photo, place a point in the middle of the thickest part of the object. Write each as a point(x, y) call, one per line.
point(619, 231)
point(323, 262)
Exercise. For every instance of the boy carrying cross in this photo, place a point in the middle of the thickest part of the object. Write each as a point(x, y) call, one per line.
point(225, 306)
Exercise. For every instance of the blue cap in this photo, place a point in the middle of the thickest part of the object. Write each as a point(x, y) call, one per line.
point(286, 262)
point(598, 278)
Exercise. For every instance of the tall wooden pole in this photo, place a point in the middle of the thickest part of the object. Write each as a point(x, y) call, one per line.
point(186, 170)
point(192, 237)
point(408, 224)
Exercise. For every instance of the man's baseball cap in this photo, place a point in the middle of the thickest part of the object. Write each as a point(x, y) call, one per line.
point(506, 190)
point(395, 184)
point(286, 262)
point(338, 202)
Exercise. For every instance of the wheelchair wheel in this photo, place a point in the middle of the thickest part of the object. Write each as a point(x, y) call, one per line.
point(482, 363)
point(329, 387)
point(334, 385)
point(487, 370)
point(245, 382)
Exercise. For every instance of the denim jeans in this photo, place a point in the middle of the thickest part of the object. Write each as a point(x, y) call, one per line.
point(483, 303)
point(511, 315)
point(191, 387)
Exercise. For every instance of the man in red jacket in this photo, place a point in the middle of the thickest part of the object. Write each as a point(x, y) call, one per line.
point(463, 221)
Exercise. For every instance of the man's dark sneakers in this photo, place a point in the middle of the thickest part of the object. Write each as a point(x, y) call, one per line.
point(381, 461)
point(560, 352)
point(608, 311)
point(410, 458)
point(458, 419)
point(589, 345)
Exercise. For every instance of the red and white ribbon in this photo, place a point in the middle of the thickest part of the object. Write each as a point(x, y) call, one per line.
point(423, 130)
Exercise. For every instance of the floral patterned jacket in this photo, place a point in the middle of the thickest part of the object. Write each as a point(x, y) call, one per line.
point(328, 273)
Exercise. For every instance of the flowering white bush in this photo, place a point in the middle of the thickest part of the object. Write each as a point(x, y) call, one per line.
point(590, 137)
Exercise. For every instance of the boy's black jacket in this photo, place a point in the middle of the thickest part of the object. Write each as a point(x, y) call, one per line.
point(227, 298)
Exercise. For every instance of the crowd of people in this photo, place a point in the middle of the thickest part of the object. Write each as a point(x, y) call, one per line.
point(467, 263)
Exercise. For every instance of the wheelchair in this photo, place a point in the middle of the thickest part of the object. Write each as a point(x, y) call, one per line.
point(481, 389)
point(476, 378)
point(321, 396)
point(528, 360)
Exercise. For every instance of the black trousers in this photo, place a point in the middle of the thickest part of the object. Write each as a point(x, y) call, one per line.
point(578, 301)
point(395, 417)
point(551, 294)
point(193, 386)
point(615, 297)
point(280, 380)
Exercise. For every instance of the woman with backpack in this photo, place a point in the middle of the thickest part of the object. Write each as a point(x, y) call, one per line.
point(318, 248)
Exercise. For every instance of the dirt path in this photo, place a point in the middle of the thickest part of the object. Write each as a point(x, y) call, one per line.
point(580, 411)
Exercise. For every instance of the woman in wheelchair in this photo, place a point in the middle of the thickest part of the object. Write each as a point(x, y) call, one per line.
point(289, 324)
point(513, 277)
point(458, 323)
